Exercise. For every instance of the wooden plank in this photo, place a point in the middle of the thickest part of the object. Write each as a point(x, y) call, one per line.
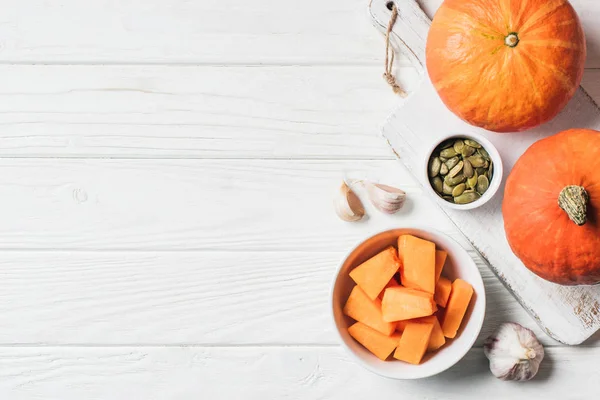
point(192, 204)
point(181, 31)
point(185, 298)
point(214, 112)
point(273, 373)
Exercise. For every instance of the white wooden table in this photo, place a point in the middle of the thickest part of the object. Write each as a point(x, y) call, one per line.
point(167, 170)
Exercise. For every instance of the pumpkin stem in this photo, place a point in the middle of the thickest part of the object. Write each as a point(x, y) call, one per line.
point(573, 200)
point(512, 39)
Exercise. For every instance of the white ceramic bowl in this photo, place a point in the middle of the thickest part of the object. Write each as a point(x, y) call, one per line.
point(496, 178)
point(458, 265)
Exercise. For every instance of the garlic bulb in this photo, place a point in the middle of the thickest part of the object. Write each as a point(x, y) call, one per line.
point(385, 198)
point(347, 204)
point(514, 352)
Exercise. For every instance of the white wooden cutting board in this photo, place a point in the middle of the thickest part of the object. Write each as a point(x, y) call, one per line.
point(568, 314)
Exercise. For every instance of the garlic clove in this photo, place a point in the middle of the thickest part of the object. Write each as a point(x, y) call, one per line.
point(385, 198)
point(347, 204)
point(514, 352)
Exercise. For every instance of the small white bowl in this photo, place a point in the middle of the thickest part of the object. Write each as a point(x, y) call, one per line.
point(496, 178)
point(458, 265)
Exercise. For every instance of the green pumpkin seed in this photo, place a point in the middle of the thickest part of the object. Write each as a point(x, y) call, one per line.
point(482, 184)
point(458, 190)
point(467, 151)
point(458, 145)
point(451, 163)
point(486, 165)
point(483, 153)
point(446, 143)
point(468, 169)
point(466, 197)
point(472, 181)
point(446, 189)
point(443, 159)
point(455, 180)
point(472, 143)
point(449, 152)
point(455, 171)
point(448, 198)
point(477, 161)
point(434, 167)
point(481, 170)
point(437, 184)
point(444, 169)
point(490, 171)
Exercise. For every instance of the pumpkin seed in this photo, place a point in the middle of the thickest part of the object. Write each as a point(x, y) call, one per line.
point(448, 198)
point(434, 167)
point(481, 170)
point(458, 145)
point(482, 184)
point(451, 163)
point(490, 171)
point(477, 161)
point(437, 184)
point(449, 152)
point(455, 180)
point(443, 159)
point(483, 153)
point(446, 143)
point(472, 143)
point(472, 181)
point(486, 165)
point(468, 169)
point(466, 197)
point(444, 169)
point(458, 190)
point(467, 151)
point(454, 171)
point(446, 189)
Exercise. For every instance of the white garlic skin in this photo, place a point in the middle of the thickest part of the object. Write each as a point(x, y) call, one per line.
point(385, 198)
point(514, 352)
point(347, 204)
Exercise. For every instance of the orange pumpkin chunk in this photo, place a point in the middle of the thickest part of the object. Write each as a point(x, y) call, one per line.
point(400, 303)
point(360, 308)
point(418, 263)
point(414, 342)
point(440, 260)
point(376, 272)
point(392, 283)
point(376, 342)
point(437, 338)
point(457, 306)
point(442, 291)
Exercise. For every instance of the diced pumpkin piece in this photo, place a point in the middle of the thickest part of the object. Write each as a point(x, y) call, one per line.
point(440, 260)
point(442, 291)
point(376, 272)
point(392, 283)
point(437, 338)
point(417, 268)
point(414, 342)
point(457, 306)
point(400, 303)
point(362, 309)
point(402, 240)
point(376, 342)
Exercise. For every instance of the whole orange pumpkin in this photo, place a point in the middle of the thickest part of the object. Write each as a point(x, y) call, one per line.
point(506, 65)
point(551, 208)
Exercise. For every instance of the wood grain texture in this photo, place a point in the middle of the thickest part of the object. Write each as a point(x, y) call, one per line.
point(272, 373)
point(257, 205)
point(192, 112)
point(186, 298)
point(568, 314)
point(181, 31)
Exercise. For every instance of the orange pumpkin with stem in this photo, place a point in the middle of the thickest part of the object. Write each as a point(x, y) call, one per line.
point(551, 208)
point(506, 65)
